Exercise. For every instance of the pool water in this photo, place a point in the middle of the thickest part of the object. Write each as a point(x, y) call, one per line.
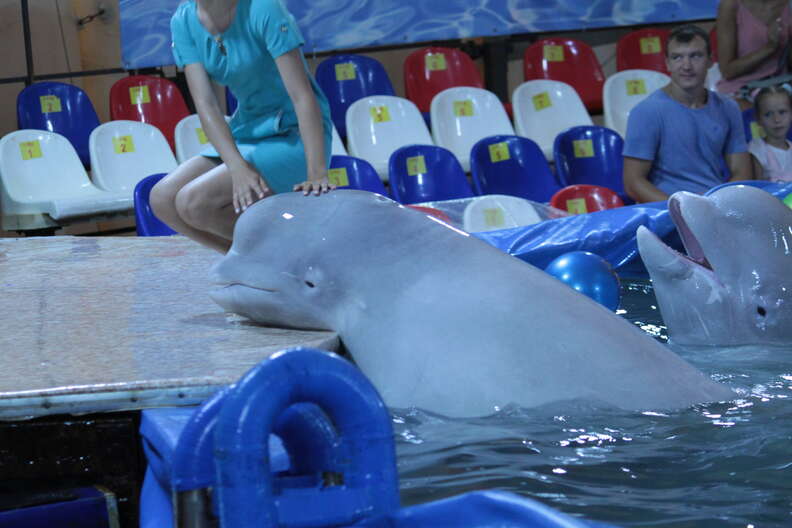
point(713, 465)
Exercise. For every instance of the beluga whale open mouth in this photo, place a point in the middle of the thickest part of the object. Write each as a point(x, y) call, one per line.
point(733, 286)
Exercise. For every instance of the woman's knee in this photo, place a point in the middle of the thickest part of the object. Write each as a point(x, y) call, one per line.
point(162, 198)
point(193, 206)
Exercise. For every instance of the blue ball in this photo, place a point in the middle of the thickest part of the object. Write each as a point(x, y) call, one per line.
point(589, 274)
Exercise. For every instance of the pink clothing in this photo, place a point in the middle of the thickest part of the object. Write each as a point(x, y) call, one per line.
point(776, 163)
point(752, 35)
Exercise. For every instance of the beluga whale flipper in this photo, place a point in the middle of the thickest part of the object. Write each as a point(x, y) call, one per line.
point(438, 319)
point(734, 286)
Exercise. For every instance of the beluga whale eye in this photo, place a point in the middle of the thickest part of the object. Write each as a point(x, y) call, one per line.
point(310, 284)
point(761, 311)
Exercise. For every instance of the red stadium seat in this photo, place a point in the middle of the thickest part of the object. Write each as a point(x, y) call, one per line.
point(714, 43)
point(643, 49)
point(577, 199)
point(429, 71)
point(570, 61)
point(149, 99)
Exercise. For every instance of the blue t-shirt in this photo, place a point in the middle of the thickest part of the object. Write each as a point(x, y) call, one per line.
point(261, 31)
point(687, 145)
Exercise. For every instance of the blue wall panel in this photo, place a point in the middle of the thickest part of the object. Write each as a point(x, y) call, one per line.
point(344, 24)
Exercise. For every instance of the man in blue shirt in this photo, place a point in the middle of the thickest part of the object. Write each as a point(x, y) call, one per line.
point(679, 136)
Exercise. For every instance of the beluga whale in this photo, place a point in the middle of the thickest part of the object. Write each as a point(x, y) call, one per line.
point(438, 319)
point(734, 285)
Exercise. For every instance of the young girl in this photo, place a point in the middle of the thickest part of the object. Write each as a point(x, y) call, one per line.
point(278, 139)
point(772, 156)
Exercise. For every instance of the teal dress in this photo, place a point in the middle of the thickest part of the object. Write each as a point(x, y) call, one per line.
point(264, 125)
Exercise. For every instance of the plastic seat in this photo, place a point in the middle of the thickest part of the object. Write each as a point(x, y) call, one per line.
point(462, 116)
point(337, 148)
point(61, 108)
point(190, 137)
point(512, 165)
point(347, 78)
point(643, 49)
point(146, 222)
point(626, 89)
point(347, 172)
point(429, 71)
point(379, 125)
point(570, 61)
point(544, 109)
point(498, 211)
point(591, 155)
point(713, 35)
point(713, 76)
point(125, 152)
point(231, 101)
point(579, 199)
point(751, 128)
point(148, 99)
point(44, 183)
point(426, 173)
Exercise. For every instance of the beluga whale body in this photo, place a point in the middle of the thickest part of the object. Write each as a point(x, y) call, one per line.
point(734, 286)
point(438, 319)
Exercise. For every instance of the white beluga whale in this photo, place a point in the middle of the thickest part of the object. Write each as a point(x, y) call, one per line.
point(734, 286)
point(438, 319)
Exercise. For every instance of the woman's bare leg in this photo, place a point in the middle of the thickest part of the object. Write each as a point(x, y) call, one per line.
point(163, 202)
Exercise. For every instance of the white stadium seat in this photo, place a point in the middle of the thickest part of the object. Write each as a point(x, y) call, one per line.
point(543, 109)
point(379, 125)
point(44, 183)
point(190, 138)
point(125, 152)
point(498, 211)
point(463, 115)
point(624, 90)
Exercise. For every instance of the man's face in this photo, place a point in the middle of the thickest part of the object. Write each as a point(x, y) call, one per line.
point(688, 63)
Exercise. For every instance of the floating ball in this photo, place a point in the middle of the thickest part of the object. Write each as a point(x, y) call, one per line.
point(788, 200)
point(589, 274)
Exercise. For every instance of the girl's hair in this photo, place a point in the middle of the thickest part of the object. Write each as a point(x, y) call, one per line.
point(770, 90)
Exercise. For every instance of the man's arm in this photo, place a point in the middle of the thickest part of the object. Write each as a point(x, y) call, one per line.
point(636, 181)
point(740, 166)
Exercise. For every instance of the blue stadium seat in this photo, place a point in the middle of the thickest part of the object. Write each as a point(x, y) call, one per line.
point(348, 172)
point(346, 78)
point(147, 223)
point(231, 102)
point(426, 173)
point(512, 165)
point(590, 155)
point(61, 108)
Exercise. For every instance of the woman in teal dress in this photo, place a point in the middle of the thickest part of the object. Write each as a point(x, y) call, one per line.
point(279, 138)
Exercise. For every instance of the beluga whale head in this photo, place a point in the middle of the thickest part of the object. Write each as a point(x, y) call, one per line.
point(734, 285)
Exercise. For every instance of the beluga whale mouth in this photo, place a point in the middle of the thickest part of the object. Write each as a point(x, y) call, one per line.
point(695, 253)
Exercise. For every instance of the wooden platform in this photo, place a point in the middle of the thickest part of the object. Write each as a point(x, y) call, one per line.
point(91, 324)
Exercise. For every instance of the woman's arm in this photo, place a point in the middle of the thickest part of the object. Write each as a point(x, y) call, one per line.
point(247, 183)
point(309, 119)
point(730, 64)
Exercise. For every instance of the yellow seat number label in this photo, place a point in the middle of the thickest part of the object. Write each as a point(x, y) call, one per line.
point(499, 152)
point(416, 165)
point(494, 217)
point(345, 71)
point(380, 114)
point(30, 150)
point(202, 139)
point(139, 95)
point(636, 87)
point(650, 45)
point(553, 53)
point(583, 148)
point(463, 108)
point(577, 206)
point(436, 62)
point(757, 132)
point(123, 144)
point(542, 101)
point(50, 104)
point(338, 177)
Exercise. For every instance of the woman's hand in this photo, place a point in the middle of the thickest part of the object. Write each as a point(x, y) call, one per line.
point(317, 184)
point(248, 186)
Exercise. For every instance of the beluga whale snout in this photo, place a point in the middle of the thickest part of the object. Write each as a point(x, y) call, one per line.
point(440, 320)
point(734, 284)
